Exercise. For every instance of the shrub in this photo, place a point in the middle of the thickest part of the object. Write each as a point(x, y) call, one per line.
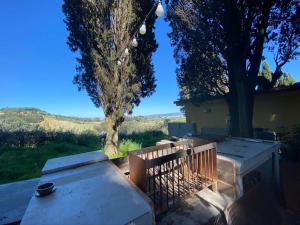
point(291, 145)
point(127, 145)
point(146, 139)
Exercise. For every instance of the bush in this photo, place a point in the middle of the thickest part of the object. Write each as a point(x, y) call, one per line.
point(291, 145)
point(125, 146)
point(32, 139)
point(146, 139)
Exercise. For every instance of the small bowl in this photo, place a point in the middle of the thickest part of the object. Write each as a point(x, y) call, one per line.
point(45, 189)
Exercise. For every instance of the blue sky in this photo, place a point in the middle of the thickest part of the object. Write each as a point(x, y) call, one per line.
point(37, 67)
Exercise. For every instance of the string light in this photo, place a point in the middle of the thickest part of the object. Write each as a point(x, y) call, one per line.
point(126, 52)
point(143, 29)
point(134, 42)
point(159, 11)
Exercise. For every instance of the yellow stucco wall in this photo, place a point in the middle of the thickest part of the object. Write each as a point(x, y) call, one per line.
point(271, 110)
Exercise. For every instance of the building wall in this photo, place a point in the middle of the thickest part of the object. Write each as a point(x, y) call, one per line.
point(276, 110)
point(273, 111)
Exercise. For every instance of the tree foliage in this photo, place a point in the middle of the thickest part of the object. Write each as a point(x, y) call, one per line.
point(99, 31)
point(201, 72)
point(265, 77)
point(232, 35)
point(201, 76)
point(284, 35)
point(286, 80)
point(266, 71)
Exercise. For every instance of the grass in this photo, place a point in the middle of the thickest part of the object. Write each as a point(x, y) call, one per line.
point(126, 146)
point(25, 163)
point(29, 137)
point(20, 163)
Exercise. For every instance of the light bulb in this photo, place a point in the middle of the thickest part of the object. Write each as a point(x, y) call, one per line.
point(143, 29)
point(159, 10)
point(126, 52)
point(119, 63)
point(134, 42)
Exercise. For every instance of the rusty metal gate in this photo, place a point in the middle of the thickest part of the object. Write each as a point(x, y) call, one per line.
point(169, 172)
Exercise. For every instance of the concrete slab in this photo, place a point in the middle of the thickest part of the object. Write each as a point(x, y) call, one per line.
point(238, 157)
point(245, 153)
point(73, 161)
point(14, 198)
point(93, 194)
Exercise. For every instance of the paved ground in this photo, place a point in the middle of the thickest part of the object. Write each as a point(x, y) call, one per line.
point(261, 206)
point(191, 211)
point(14, 198)
point(258, 207)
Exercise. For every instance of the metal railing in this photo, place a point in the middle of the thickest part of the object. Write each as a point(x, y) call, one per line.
point(168, 172)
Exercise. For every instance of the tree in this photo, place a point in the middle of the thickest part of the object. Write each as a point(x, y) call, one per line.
point(237, 32)
point(265, 78)
point(284, 36)
point(201, 76)
point(99, 31)
point(201, 73)
point(266, 71)
point(286, 80)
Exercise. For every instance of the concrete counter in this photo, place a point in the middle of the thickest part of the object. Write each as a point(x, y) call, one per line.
point(238, 157)
point(92, 194)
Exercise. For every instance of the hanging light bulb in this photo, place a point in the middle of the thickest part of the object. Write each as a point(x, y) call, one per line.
point(126, 52)
point(143, 29)
point(119, 63)
point(159, 10)
point(134, 42)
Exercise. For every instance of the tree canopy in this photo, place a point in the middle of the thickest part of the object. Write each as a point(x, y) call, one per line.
point(232, 35)
point(99, 31)
point(266, 71)
point(265, 78)
point(286, 80)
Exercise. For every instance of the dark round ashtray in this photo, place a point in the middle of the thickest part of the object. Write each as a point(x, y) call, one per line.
point(45, 189)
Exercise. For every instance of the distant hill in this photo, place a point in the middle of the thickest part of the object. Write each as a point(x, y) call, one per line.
point(166, 115)
point(35, 112)
point(15, 119)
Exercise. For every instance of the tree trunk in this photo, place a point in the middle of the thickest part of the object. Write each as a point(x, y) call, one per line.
point(240, 101)
point(245, 111)
point(241, 112)
point(234, 122)
point(112, 137)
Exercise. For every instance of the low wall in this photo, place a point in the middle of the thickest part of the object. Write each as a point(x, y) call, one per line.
point(181, 129)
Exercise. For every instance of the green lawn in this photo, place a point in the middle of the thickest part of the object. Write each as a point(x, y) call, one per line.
point(25, 163)
point(20, 163)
